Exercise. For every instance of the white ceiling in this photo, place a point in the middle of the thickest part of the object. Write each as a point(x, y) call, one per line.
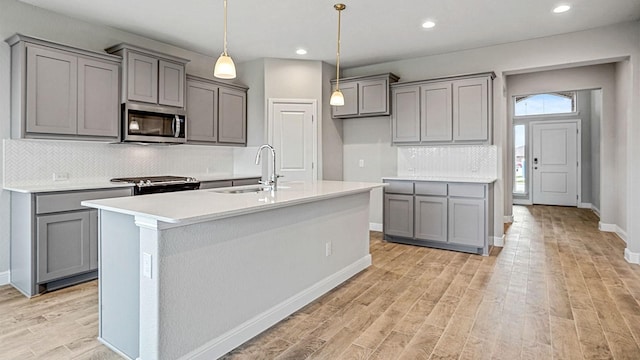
point(373, 31)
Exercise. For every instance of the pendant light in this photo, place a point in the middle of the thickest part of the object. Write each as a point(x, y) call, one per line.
point(225, 68)
point(337, 99)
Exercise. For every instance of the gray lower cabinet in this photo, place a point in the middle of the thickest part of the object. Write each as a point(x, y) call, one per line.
point(398, 215)
point(63, 92)
point(64, 244)
point(216, 112)
point(228, 183)
point(431, 218)
point(455, 216)
point(54, 240)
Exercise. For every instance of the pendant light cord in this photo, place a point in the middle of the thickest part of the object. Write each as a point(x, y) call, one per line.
point(338, 54)
point(225, 28)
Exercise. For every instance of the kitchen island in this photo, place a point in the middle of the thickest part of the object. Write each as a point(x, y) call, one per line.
point(195, 274)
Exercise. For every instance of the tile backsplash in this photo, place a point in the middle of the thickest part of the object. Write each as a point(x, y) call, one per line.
point(454, 161)
point(33, 162)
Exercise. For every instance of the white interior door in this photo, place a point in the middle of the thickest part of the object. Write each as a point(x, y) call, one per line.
point(293, 135)
point(555, 163)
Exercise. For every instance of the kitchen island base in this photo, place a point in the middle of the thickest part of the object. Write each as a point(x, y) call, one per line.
point(199, 290)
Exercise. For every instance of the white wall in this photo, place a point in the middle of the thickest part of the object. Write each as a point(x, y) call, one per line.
point(596, 46)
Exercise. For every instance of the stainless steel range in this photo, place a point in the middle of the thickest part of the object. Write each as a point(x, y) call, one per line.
point(159, 184)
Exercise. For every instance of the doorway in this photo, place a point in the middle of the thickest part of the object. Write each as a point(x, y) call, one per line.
point(293, 131)
point(555, 157)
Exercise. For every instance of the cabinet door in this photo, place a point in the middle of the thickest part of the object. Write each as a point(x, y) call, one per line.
point(398, 215)
point(470, 110)
point(431, 218)
point(350, 107)
point(202, 112)
point(98, 103)
point(405, 120)
point(93, 239)
point(467, 221)
point(435, 117)
point(52, 91)
point(373, 96)
point(232, 116)
point(142, 78)
point(215, 184)
point(63, 242)
point(170, 84)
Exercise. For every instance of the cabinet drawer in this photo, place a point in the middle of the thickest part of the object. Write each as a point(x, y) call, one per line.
point(399, 187)
point(467, 190)
point(431, 188)
point(68, 201)
point(242, 182)
point(215, 184)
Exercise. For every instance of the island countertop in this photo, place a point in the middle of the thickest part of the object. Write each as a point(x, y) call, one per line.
point(186, 207)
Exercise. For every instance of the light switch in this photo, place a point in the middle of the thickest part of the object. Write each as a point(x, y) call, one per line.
point(361, 163)
point(146, 265)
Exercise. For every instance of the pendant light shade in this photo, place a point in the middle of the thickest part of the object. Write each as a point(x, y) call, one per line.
point(225, 68)
point(337, 99)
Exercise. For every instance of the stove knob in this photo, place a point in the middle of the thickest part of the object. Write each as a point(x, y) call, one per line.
point(148, 182)
point(190, 179)
point(141, 183)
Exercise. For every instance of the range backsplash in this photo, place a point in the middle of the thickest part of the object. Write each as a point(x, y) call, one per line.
point(478, 161)
point(33, 162)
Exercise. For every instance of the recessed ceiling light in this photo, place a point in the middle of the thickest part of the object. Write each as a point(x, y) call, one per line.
point(561, 8)
point(301, 52)
point(428, 24)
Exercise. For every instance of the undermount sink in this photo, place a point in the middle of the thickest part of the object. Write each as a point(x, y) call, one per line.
point(247, 189)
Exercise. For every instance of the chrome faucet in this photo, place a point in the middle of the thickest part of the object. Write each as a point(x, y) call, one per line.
point(273, 179)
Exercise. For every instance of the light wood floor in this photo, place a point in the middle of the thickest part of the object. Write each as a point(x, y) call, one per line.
point(559, 289)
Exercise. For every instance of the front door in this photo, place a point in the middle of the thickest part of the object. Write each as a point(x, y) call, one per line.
point(555, 163)
point(292, 135)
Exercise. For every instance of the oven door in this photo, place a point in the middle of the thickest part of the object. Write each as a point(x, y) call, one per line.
point(153, 124)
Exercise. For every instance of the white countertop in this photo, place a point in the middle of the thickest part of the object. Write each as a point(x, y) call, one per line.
point(477, 180)
point(209, 204)
point(106, 184)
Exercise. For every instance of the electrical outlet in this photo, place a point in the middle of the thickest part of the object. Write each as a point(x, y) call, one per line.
point(327, 248)
point(361, 163)
point(60, 176)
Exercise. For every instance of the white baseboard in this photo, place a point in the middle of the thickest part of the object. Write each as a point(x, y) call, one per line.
point(507, 219)
point(252, 327)
point(631, 257)
point(596, 210)
point(4, 278)
point(498, 241)
point(607, 227)
point(375, 227)
point(614, 229)
point(585, 206)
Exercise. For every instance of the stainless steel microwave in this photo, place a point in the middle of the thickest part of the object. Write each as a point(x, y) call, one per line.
point(154, 124)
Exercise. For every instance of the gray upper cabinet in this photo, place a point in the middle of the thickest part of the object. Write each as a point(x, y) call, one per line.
point(171, 81)
point(471, 109)
point(364, 96)
point(350, 93)
point(151, 77)
point(451, 111)
point(202, 111)
point(142, 83)
point(98, 84)
point(232, 116)
point(216, 112)
point(435, 117)
point(405, 119)
point(61, 92)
